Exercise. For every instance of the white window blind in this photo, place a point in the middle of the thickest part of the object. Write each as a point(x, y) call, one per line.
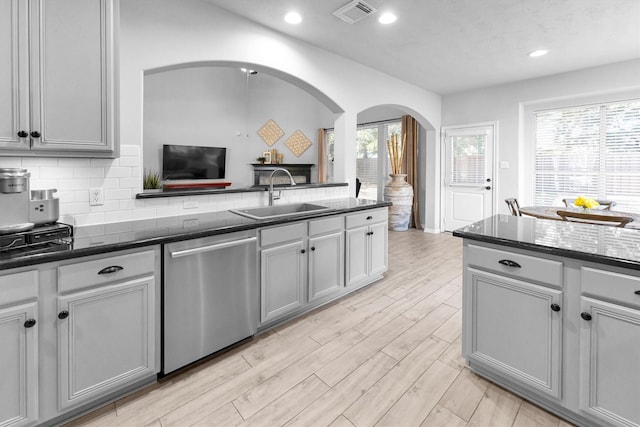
point(589, 151)
point(468, 165)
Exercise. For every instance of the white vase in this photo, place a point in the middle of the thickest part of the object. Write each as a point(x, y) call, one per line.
point(400, 193)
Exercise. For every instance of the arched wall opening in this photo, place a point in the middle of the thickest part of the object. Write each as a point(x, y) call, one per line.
point(386, 117)
point(215, 103)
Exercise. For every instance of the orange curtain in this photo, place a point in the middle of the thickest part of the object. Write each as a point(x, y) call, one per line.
point(410, 164)
point(322, 155)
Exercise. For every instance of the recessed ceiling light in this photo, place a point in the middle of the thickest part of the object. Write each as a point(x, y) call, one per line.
point(293, 18)
point(387, 18)
point(537, 53)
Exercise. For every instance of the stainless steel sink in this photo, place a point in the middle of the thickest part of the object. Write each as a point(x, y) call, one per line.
point(279, 211)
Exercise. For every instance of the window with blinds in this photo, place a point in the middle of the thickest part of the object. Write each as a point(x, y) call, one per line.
point(589, 151)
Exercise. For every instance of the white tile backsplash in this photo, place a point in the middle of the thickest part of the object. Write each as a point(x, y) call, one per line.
point(121, 180)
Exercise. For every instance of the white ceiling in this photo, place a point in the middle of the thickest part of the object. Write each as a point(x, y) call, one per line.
point(449, 46)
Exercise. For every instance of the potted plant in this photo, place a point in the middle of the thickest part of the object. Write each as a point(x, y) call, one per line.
point(261, 160)
point(151, 180)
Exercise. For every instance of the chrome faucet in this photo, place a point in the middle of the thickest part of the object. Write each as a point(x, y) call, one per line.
point(271, 196)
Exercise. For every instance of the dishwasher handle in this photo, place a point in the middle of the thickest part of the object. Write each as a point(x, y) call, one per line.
point(209, 248)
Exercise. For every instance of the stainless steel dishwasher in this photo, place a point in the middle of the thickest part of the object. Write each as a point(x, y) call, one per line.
point(210, 297)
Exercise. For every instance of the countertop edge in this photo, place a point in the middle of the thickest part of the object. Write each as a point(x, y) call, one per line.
point(583, 256)
point(31, 260)
point(253, 189)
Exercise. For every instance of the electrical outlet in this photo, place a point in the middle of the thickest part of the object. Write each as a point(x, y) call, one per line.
point(190, 204)
point(96, 196)
point(193, 222)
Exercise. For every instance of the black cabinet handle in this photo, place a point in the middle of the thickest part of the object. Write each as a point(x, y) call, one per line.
point(585, 316)
point(23, 134)
point(35, 134)
point(111, 269)
point(637, 292)
point(509, 263)
point(303, 251)
point(369, 217)
point(30, 323)
point(63, 314)
point(488, 187)
point(488, 179)
point(555, 307)
point(313, 248)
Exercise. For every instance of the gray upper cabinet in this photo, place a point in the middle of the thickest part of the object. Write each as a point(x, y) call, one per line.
point(58, 80)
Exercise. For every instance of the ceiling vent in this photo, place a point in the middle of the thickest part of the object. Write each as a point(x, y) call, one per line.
point(354, 11)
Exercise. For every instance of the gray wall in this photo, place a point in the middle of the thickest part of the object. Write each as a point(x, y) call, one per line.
point(217, 106)
point(511, 104)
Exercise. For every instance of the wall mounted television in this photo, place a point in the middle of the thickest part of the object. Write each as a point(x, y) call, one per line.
point(189, 162)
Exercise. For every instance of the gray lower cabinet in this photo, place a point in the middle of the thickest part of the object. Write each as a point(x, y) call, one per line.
point(106, 325)
point(610, 346)
point(562, 332)
point(366, 246)
point(76, 333)
point(283, 270)
point(326, 257)
point(19, 349)
point(514, 330)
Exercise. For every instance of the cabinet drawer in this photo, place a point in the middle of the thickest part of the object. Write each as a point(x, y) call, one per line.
point(285, 233)
point(524, 266)
point(18, 287)
point(90, 273)
point(366, 217)
point(610, 285)
point(326, 225)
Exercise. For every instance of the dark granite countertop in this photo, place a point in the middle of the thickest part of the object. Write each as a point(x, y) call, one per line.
point(596, 243)
point(152, 194)
point(109, 237)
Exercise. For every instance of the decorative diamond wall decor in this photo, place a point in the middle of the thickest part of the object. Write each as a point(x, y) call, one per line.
point(270, 132)
point(298, 143)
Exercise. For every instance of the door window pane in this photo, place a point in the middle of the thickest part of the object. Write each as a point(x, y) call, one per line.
point(468, 164)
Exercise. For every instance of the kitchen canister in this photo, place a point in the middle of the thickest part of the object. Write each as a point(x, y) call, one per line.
point(400, 193)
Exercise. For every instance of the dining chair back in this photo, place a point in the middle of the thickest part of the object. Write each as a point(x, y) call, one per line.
point(594, 218)
point(605, 205)
point(513, 205)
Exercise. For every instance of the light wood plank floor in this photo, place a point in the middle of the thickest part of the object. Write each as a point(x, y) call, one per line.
point(388, 355)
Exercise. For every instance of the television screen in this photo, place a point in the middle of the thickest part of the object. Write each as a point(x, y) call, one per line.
point(191, 162)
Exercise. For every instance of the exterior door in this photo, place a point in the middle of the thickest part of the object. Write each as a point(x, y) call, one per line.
point(468, 175)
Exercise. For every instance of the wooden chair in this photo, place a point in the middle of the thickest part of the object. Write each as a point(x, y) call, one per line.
point(605, 205)
point(594, 218)
point(514, 207)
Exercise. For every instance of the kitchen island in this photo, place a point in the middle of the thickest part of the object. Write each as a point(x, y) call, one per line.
point(551, 311)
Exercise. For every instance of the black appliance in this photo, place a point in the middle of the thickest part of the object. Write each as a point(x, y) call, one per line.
point(42, 239)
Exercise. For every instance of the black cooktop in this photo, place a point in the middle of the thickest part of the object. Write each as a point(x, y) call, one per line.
point(41, 239)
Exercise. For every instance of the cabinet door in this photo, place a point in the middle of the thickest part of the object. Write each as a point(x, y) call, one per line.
point(326, 265)
point(72, 75)
point(610, 362)
point(282, 278)
point(511, 327)
point(357, 263)
point(14, 74)
point(106, 339)
point(19, 367)
point(378, 248)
